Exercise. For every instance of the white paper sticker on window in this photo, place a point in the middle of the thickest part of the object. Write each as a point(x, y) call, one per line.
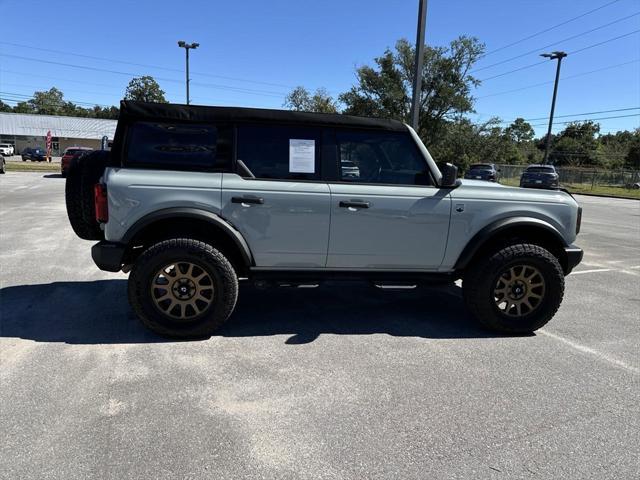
point(302, 156)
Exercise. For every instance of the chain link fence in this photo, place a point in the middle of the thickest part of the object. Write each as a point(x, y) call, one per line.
point(580, 178)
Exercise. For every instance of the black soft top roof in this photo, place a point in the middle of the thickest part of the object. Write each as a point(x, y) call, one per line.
point(130, 110)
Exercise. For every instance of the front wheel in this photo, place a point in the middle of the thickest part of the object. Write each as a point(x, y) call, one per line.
point(183, 288)
point(517, 289)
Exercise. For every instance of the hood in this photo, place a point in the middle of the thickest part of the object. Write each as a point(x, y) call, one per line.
point(480, 190)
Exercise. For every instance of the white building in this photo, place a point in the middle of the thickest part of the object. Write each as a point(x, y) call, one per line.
point(28, 130)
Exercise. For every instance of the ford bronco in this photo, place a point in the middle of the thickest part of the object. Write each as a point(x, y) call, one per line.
point(190, 199)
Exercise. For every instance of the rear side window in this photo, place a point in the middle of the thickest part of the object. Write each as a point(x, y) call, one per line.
point(280, 152)
point(178, 146)
point(380, 157)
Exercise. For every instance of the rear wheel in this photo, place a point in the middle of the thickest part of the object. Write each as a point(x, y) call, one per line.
point(183, 288)
point(517, 289)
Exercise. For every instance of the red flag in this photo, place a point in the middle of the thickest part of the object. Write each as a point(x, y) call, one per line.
point(49, 140)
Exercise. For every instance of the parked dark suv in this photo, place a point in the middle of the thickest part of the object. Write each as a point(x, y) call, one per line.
point(539, 176)
point(36, 154)
point(483, 171)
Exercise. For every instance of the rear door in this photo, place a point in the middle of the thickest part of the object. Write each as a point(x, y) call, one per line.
point(390, 215)
point(277, 199)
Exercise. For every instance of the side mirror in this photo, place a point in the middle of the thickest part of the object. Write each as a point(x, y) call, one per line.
point(449, 175)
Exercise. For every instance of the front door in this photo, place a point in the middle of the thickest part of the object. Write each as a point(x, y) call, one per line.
point(385, 211)
point(277, 199)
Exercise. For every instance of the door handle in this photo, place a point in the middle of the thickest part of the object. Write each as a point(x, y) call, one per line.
point(252, 200)
point(354, 204)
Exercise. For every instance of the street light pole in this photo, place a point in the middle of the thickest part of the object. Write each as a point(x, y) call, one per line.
point(417, 74)
point(552, 56)
point(187, 47)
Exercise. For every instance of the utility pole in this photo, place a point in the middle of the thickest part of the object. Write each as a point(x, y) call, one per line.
point(187, 47)
point(552, 56)
point(417, 74)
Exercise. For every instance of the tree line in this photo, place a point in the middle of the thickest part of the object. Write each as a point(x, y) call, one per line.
point(52, 101)
point(383, 89)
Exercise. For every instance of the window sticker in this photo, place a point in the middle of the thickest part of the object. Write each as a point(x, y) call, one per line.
point(302, 155)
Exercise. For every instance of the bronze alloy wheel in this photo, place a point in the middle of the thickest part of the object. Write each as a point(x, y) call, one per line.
point(182, 290)
point(519, 290)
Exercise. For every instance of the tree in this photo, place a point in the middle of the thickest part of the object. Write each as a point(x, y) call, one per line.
point(632, 159)
point(576, 145)
point(106, 112)
point(23, 107)
point(300, 99)
point(5, 107)
point(144, 89)
point(50, 102)
point(520, 131)
point(385, 90)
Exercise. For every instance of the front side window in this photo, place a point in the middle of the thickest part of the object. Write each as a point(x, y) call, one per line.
point(280, 152)
point(171, 145)
point(380, 157)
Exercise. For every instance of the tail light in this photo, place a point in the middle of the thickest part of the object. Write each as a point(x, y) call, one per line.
point(100, 197)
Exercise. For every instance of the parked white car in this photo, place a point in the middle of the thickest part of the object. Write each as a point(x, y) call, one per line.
point(6, 149)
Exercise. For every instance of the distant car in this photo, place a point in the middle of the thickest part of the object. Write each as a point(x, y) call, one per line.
point(68, 154)
point(6, 149)
point(539, 176)
point(349, 169)
point(483, 171)
point(36, 154)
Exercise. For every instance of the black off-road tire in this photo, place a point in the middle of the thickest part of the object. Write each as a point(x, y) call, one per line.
point(481, 278)
point(203, 255)
point(83, 173)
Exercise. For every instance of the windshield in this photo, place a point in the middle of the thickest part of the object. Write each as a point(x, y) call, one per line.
point(481, 166)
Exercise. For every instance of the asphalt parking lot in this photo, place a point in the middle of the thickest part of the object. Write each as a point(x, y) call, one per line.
point(319, 383)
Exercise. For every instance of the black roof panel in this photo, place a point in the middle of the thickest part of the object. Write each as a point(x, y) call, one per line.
point(131, 110)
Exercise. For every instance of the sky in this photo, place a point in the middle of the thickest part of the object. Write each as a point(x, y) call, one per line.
point(252, 53)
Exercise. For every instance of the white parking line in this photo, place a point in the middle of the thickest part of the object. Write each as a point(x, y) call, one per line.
point(627, 270)
point(591, 351)
point(593, 271)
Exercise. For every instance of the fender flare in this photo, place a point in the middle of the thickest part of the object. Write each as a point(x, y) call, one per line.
point(495, 228)
point(196, 214)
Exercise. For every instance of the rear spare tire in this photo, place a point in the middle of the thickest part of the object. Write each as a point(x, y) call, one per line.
point(83, 173)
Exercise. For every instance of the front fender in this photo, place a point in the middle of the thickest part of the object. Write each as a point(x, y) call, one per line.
point(499, 227)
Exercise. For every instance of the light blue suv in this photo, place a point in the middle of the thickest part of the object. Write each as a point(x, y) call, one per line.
point(190, 199)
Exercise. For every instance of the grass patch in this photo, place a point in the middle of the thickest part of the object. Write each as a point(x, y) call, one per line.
point(586, 188)
point(603, 190)
point(32, 167)
point(510, 182)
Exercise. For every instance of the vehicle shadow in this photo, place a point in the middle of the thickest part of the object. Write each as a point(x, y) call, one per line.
point(53, 175)
point(97, 312)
